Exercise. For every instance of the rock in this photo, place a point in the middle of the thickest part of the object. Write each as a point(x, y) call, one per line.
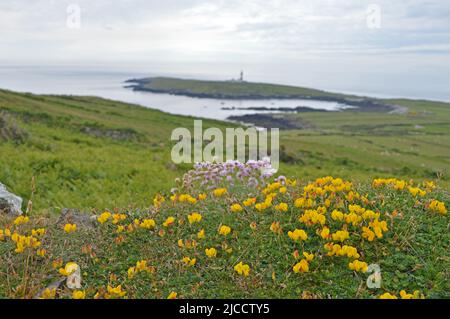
point(54, 285)
point(10, 204)
point(75, 216)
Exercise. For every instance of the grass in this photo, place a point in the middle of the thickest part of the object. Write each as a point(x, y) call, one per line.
point(95, 154)
point(231, 89)
point(88, 152)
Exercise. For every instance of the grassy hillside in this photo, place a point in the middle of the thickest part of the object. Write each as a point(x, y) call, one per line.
point(88, 152)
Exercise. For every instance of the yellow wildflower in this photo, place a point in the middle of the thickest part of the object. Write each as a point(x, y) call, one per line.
point(21, 220)
point(189, 261)
point(70, 228)
point(169, 221)
point(236, 208)
point(211, 252)
point(219, 192)
point(79, 294)
point(387, 295)
point(242, 269)
point(194, 218)
point(301, 266)
point(172, 295)
point(282, 207)
point(224, 230)
point(201, 234)
point(298, 234)
point(104, 217)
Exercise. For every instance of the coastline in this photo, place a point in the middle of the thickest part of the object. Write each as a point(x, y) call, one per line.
point(357, 103)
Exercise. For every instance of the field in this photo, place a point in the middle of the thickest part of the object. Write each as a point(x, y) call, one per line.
point(87, 152)
point(240, 237)
point(285, 238)
point(227, 89)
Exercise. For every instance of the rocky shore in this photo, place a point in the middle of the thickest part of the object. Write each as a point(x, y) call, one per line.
point(358, 103)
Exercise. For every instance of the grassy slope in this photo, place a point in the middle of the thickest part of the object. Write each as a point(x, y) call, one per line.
point(75, 169)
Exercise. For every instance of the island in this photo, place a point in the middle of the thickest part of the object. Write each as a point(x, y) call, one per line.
point(243, 90)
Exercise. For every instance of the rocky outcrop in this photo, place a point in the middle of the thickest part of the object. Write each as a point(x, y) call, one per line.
point(10, 204)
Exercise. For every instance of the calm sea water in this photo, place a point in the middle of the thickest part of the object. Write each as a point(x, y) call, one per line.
point(110, 84)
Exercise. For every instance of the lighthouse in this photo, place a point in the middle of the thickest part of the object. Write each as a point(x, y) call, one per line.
point(241, 78)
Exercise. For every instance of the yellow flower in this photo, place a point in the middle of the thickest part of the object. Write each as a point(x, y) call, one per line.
point(148, 224)
point(249, 201)
point(368, 234)
point(387, 295)
point(242, 269)
point(115, 292)
point(70, 228)
point(117, 218)
point(41, 252)
point(79, 294)
point(189, 261)
point(172, 295)
point(104, 217)
point(21, 220)
point(120, 229)
point(301, 266)
point(69, 269)
point(169, 221)
point(437, 206)
point(201, 234)
point(309, 257)
point(236, 208)
point(325, 232)
point(298, 234)
point(253, 225)
point(219, 192)
point(131, 272)
point(276, 228)
point(48, 293)
point(282, 207)
point(357, 265)
point(416, 191)
point(337, 215)
point(224, 230)
point(211, 252)
point(194, 217)
point(202, 196)
point(340, 235)
point(57, 263)
point(38, 232)
point(141, 265)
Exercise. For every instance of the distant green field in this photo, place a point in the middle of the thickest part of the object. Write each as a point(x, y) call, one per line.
point(89, 152)
point(230, 88)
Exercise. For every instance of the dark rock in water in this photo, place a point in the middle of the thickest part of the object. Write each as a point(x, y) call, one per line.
point(10, 204)
point(75, 216)
point(271, 121)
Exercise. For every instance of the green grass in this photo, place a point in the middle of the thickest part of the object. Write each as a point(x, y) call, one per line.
point(412, 254)
point(88, 152)
point(232, 89)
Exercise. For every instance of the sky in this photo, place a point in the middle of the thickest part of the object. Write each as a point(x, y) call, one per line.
point(387, 45)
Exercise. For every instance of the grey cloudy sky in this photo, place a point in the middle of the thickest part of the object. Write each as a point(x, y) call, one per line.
point(302, 35)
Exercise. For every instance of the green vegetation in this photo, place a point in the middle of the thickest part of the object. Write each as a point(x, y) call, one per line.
point(162, 251)
point(89, 152)
point(229, 89)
